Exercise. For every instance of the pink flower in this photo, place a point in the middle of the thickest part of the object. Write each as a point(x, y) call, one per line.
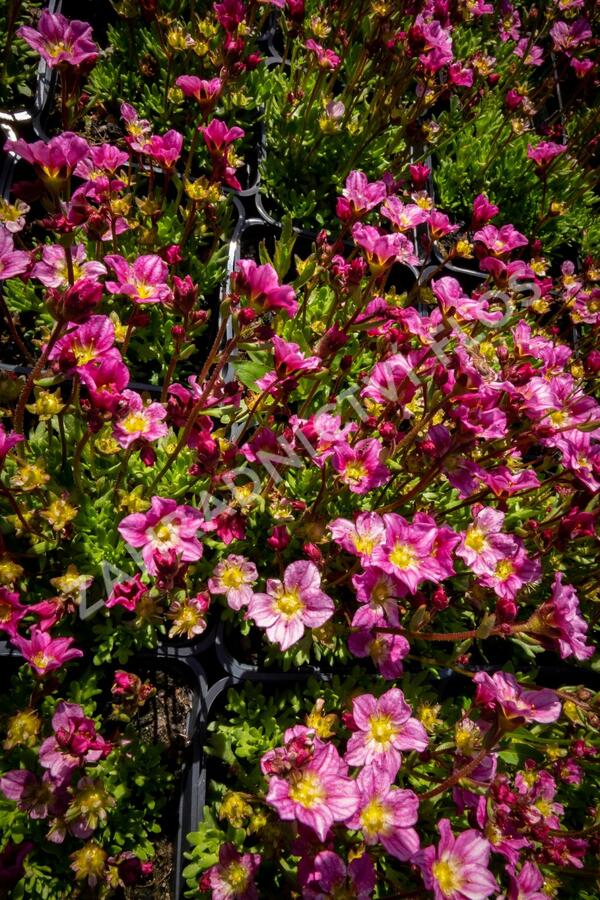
point(452, 300)
point(38, 797)
point(289, 361)
point(105, 378)
point(544, 153)
point(234, 577)
point(138, 422)
point(103, 160)
point(384, 727)
point(12, 262)
point(139, 130)
point(260, 285)
point(359, 465)
point(483, 544)
point(440, 225)
point(483, 211)
point(145, 281)
point(61, 42)
point(53, 271)
point(558, 622)
point(386, 650)
point(232, 878)
point(166, 148)
point(84, 344)
point(500, 241)
point(218, 136)
point(45, 653)
point(11, 611)
point(206, 93)
point(527, 885)
point(8, 440)
point(361, 536)
point(511, 572)
point(380, 590)
point(407, 552)
point(317, 793)
point(435, 42)
point(326, 59)
point(55, 160)
point(386, 814)
point(359, 196)
point(290, 606)
point(166, 526)
point(404, 216)
point(502, 694)
point(328, 876)
point(383, 250)
point(568, 36)
point(457, 869)
point(230, 13)
point(392, 380)
point(74, 742)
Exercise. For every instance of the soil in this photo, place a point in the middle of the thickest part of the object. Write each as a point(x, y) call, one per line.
point(164, 720)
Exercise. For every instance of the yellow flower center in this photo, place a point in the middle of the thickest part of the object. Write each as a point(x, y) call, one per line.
point(402, 556)
point(355, 472)
point(381, 729)
point(558, 417)
point(475, 539)
point(5, 612)
point(40, 660)
point(364, 545)
point(289, 604)
point(233, 577)
point(56, 49)
point(374, 818)
point(164, 533)
point(135, 422)
point(144, 290)
point(92, 800)
point(544, 806)
point(378, 650)
point(447, 875)
point(504, 569)
point(307, 790)
point(89, 860)
point(83, 353)
point(237, 876)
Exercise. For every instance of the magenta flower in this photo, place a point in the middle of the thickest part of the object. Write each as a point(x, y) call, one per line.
point(12, 262)
point(392, 380)
point(316, 794)
point(166, 526)
point(206, 93)
point(75, 742)
point(232, 878)
point(386, 650)
point(500, 241)
point(404, 216)
point(11, 611)
point(260, 285)
point(127, 593)
point(289, 363)
point(105, 378)
point(139, 131)
point(53, 271)
point(407, 552)
point(103, 160)
point(55, 160)
point(145, 281)
point(527, 884)
point(457, 869)
point(166, 148)
point(328, 876)
point(544, 153)
point(383, 250)
point(84, 344)
point(384, 727)
point(558, 622)
point(7, 441)
point(37, 797)
point(138, 422)
point(440, 225)
point(326, 59)
point(386, 814)
point(380, 590)
point(361, 536)
point(218, 136)
point(359, 196)
point(45, 653)
point(501, 694)
point(359, 465)
point(61, 42)
point(291, 605)
point(234, 577)
point(483, 211)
